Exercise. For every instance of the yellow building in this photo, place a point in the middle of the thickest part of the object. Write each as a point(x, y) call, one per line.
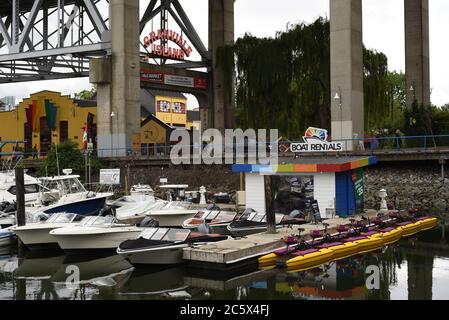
point(48, 117)
point(44, 118)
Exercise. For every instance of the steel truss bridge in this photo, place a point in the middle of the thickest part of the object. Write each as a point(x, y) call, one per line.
point(54, 39)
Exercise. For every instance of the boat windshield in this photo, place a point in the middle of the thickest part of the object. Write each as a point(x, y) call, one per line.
point(226, 215)
point(147, 233)
point(258, 217)
point(66, 185)
point(97, 221)
point(61, 217)
point(248, 214)
point(164, 234)
point(176, 235)
point(212, 215)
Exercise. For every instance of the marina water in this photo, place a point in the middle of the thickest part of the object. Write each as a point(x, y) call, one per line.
point(414, 268)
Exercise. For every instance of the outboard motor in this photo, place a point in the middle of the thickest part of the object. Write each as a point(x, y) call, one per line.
point(107, 211)
point(149, 222)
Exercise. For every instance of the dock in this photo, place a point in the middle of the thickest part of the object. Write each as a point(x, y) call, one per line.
point(240, 250)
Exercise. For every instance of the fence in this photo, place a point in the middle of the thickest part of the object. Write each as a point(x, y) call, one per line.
point(370, 145)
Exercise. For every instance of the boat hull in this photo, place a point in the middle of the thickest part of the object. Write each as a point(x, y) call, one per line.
point(170, 219)
point(88, 242)
point(84, 207)
point(38, 236)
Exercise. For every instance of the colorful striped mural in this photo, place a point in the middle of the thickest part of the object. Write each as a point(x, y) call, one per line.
point(306, 168)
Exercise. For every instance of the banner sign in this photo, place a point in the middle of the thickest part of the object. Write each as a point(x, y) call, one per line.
point(315, 140)
point(110, 176)
point(147, 75)
point(357, 178)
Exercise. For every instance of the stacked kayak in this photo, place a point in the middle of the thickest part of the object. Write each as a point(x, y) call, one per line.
point(295, 259)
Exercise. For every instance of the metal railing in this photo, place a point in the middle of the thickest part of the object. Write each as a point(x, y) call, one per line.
point(367, 145)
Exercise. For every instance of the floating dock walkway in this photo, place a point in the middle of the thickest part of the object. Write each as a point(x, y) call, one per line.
point(230, 252)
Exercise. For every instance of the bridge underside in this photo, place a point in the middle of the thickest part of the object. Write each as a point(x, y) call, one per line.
point(40, 40)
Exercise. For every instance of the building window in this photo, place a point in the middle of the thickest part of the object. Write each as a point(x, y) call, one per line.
point(164, 106)
point(63, 131)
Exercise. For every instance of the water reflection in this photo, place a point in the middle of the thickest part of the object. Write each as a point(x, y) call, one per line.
point(417, 268)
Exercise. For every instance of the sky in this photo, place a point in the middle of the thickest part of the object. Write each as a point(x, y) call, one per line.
point(383, 31)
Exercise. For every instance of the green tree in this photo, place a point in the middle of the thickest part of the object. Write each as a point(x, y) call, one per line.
point(86, 94)
point(69, 157)
point(284, 82)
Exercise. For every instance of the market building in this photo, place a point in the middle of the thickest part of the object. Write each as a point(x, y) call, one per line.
point(48, 117)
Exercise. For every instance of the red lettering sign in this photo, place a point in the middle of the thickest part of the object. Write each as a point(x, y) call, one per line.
point(165, 51)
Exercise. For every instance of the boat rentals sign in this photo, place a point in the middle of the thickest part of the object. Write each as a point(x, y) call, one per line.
point(110, 176)
point(315, 140)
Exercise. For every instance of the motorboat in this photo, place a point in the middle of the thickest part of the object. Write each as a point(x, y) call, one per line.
point(173, 213)
point(72, 196)
point(35, 235)
point(216, 220)
point(94, 233)
point(251, 222)
point(163, 245)
point(8, 188)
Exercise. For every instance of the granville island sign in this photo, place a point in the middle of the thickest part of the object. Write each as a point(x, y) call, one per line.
point(165, 51)
point(315, 140)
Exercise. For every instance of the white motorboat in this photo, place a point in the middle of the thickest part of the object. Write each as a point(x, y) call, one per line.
point(8, 187)
point(163, 245)
point(173, 213)
point(216, 220)
point(37, 234)
point(251, 222)
point(72, 196)
point(94, 234)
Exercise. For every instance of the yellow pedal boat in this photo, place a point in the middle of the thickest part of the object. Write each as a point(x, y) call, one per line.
point(409, 229)
point(370, 244)
point(311, 259)
point(345, 250)
point(428, 223)
point(389, 235)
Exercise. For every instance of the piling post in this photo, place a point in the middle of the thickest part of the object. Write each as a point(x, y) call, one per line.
point(269, 204)
point(20, 196)
point(20, 201)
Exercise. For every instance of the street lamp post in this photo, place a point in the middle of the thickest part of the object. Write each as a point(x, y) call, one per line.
point(338, 97)
point(113, 114)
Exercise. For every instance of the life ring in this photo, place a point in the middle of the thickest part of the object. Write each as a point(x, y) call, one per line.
point(284, 147)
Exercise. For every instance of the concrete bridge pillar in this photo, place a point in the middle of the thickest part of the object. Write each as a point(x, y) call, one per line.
point(417, 51)
point(221, 32)
point(118, 81)
point(347, 106)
